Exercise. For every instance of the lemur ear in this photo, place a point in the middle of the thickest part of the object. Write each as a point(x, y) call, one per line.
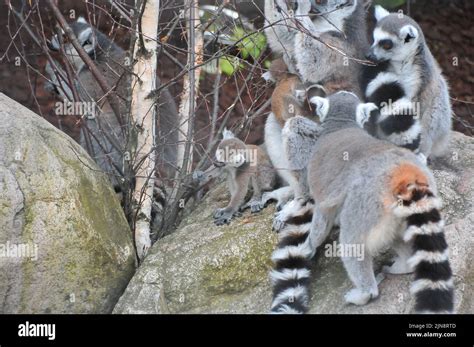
point(81, 20)
point(364, 113)
point(227, 134)
point(322, 106)
point(408, 33)
point(380, 13)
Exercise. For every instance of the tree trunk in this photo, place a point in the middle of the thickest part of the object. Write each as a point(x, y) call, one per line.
point(143, 113)
point(190, 88)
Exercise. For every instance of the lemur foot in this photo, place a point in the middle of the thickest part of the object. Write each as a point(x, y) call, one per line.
point(219, 212)
point(281, 217)
point(399, 267)
point(266, 198)
point(255, 206)
point(281, 195)
point(224, 216)
point(297, 211)
point(359, 297)
point(278, 224)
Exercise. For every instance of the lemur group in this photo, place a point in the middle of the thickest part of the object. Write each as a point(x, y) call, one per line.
point(352, 130)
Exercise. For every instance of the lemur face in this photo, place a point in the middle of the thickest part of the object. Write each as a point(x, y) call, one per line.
point(396, 37)
point(86, 37)
point(231, 153)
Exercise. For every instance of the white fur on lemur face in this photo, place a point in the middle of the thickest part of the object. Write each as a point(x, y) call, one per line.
point(395, 39)
point(87, 37)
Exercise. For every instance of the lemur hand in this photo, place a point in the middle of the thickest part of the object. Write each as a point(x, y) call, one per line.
point(224, 216)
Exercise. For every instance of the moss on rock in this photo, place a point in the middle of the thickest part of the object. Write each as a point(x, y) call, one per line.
point(66, 207)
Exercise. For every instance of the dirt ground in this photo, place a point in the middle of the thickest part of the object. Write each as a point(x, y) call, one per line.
point(447, 26)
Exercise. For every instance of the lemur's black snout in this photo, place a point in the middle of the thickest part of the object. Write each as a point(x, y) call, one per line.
point(371, 56)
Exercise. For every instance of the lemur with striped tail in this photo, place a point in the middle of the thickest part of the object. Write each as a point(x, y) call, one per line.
point(407, 86)
point(305, 32)
point(102, 135)
point(289, 99)
point(380, 196)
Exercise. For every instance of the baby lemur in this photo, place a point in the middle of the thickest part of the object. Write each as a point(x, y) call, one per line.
point(380, 196)
point(289, 99)
point(243, 164)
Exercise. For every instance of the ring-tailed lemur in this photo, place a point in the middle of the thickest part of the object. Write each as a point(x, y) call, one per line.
point(289, 99)
point(109, 59)
point(336, 22)
point(408, 87)
point(243, 165)
point(106, 137)
point(340, 24)
point(280, 29)
point(380, 195)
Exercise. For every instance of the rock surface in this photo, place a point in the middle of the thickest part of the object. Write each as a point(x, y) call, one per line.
point(207, 269)
point(78, 253)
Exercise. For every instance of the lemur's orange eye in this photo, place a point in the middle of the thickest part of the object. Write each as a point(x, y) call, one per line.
point(386, 44)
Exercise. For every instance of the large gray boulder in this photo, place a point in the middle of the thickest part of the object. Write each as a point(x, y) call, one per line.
point(203, 268)
point(65, 245)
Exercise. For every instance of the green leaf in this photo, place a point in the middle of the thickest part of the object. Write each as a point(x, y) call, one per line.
point(229, 64)
point(249, 44)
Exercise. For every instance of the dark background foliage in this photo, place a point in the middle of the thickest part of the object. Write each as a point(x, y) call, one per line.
point(447, 24)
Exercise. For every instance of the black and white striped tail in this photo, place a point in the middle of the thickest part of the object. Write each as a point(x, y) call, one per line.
point(158, 208)
point(433, 284)
point(402, 129)
point(291, 274)
point(398, 121)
